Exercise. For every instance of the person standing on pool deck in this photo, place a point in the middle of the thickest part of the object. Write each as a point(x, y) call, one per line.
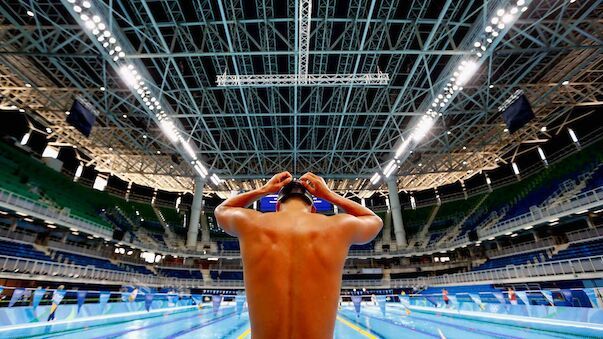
point(293, 258)
point(445, 296)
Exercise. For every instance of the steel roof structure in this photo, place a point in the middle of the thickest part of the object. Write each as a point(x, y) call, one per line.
point(342, 130)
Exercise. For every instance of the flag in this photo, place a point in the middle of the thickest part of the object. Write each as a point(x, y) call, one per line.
point(215, 302)
point(17, 294)
point(356, 299)
point(382, 303)
point(240, 303)
point(148, 300)
point(103, 298)
point(37, 297)
point(81, 297)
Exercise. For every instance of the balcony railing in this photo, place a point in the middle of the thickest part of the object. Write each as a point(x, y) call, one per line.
point(568, 206)
point(580, 268)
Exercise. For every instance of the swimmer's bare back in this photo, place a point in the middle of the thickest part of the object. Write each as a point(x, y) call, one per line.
point(293, 259)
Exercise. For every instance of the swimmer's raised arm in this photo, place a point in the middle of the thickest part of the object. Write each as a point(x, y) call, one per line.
point(363, 223)
point(232, 214)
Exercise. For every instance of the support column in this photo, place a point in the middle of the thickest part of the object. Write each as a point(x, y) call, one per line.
point(13, 225)
point(204, 227)
point(387, 227)
point(193, 225)
point(396, 210)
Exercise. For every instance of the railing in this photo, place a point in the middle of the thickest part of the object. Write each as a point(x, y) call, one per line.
point(17, 235)
point(585, 234)
point(49, 213)
point(22, 268)
point(563, 269)
point(580, 202)
point(589, 199)
point(522, 248)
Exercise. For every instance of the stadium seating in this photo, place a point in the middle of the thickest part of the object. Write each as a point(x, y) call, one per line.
point(84, 260)
point(579, 250)
point(226, 275)
point(228, 245)
point(364, 247)
point(181, 274)
point(518, 259)
point(136, 268)
point(16, 249)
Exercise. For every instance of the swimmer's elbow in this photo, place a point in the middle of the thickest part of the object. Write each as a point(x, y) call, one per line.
point(368, 229)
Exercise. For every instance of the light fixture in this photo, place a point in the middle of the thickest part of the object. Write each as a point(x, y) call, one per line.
point(515, 168)
point(128, 74)
point(189, 149)
point(467, 72)
point(541, 153)
point(572, 135)
point(403, 146)
point(25, 138)
point(565, 83)
point(389, 168)
point(30, 13)
point(375, 178)
point(423, 127)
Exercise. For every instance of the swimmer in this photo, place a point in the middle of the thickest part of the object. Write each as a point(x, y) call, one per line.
point(293, 258)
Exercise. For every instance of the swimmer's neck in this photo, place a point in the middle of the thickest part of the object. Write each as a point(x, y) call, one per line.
point(295, 205)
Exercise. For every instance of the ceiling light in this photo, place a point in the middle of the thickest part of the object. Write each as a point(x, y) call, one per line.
point(389, 169)
point(543, 129)
point(189, 149)
point(30, 13)
point(423, 127)
point(403, 146)
point(468, 71)
point(515, 168)
point(565, 83)
point(128, 75)
point(102, 89)
point(572, 135)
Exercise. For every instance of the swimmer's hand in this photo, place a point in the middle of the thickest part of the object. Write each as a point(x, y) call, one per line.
point(277, 182)
point(316, 185)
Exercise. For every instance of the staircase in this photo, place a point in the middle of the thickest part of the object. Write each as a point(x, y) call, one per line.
point(421, 235)
point(454, 231)
point(170, 238)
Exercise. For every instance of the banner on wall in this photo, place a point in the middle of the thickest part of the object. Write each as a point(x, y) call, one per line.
point(172, 298)
point(356, 300)
point(37, 297)
point(215, 302)
point(81, 297)
point(148, 300)
point(382, 303)
point(17, 294)
point(103, 298)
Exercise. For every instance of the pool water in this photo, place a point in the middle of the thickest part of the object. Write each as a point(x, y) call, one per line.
point(194, 323)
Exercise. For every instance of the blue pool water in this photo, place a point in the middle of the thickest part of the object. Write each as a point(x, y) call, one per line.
point(194, 323)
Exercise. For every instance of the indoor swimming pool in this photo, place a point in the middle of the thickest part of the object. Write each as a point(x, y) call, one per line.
point(226, 323)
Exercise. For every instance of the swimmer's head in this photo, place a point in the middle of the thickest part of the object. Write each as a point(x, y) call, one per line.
point(295, 189)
